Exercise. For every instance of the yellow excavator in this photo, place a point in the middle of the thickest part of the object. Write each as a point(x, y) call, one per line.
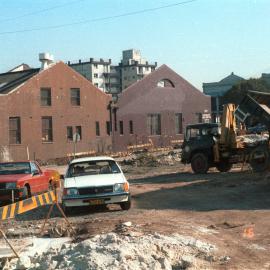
point(222, 145)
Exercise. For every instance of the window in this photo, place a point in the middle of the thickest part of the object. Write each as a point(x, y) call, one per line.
point(130, 127)
point(95, 66)
point(108, 127)
point(34, 168)
point(178, 123)
point(47, 131)
point(121, 127)
point(14, 168)
point(96, 85)
point(95, 75)
point(14, 130)
point(69, 133)
point(154, 124)
point(165, 83)
point(79, 131)
point(199, 117)
point(94, 167)
point(45, 97)
point(97, 129)
point(75, 98)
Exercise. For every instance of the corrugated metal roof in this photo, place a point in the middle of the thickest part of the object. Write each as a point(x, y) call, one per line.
point(10, 80)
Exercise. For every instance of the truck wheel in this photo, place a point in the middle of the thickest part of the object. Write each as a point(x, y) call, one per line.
point(259, 159)
point(199, 163)
point(224, 166)
point(126, 205)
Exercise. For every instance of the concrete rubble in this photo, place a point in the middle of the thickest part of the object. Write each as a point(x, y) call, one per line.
point(152, 159)
point(115, 252)
point(253, 139)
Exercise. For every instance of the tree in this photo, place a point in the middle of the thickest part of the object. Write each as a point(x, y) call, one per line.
point(237, 92)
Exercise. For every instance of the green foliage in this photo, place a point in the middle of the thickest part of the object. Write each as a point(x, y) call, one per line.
point(237, 92)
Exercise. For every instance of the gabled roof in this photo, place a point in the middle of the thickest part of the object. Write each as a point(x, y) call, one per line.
point(151, 80)
point(232, 78)
point(10, 80)
point(13, 80)
point(20, 67)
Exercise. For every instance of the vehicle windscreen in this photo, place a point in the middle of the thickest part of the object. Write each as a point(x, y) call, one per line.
point(196, 133)
point(15, 168)
point(93, 168)
point(192, 133)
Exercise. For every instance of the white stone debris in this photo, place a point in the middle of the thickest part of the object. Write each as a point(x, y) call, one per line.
point(120, 252)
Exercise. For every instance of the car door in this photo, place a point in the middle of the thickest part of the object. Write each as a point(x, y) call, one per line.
point(39, 180)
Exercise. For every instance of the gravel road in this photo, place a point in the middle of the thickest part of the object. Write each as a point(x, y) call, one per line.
point(228, 210)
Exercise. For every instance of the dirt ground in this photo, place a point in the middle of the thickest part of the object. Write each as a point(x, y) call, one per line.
point(229, 210)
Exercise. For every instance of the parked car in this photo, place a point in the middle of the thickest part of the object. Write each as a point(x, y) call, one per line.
point(21, 180)
point(95, 181)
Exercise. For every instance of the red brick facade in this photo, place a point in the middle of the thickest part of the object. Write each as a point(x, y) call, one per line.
point(25, 102)
point(146, 98)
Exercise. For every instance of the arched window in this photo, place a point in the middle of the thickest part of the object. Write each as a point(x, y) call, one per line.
point(165, 83)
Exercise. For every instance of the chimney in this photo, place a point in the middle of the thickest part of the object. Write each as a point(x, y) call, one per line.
point(46, 60)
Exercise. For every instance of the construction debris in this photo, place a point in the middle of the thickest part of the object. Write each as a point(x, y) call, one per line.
point(116, 252)
point(252, 139)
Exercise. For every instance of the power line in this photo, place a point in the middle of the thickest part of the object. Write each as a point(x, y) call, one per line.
point(40, 11)
point(98, 19)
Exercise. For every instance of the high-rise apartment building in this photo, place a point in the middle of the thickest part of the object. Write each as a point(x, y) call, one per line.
point(133, 67)
point(114, 78)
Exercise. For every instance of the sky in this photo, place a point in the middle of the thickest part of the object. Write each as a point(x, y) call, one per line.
point(202, 40)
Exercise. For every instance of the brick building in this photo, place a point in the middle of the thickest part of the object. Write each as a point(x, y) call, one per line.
point(42, 109)
point(156, 110)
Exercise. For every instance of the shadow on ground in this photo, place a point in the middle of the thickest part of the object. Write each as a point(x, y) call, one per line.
point(216, 191)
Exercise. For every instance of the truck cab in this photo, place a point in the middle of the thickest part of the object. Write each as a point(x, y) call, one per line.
point(198, 144)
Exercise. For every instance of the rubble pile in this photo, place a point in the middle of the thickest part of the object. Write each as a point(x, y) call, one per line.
point(252, 139)
point(115, 251)
point(171, 158)
point(146, 159)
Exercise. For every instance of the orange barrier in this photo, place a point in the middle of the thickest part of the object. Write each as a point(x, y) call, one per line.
point(11, 210)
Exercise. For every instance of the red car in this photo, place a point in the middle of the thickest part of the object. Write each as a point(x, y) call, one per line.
point(21, 180)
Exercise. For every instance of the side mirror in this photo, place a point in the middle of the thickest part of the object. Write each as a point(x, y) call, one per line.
point(62, 177)
point(35, 172)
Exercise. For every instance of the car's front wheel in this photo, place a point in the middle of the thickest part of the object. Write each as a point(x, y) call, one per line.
point(126, 205)
point(26, 192)
point(66, 209)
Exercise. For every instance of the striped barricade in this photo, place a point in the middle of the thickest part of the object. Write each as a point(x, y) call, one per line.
point(11, 210)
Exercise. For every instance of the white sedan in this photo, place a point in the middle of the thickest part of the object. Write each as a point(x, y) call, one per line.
point(95, 181)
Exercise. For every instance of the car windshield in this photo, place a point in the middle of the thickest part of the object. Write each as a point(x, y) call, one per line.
point(15, 168)
point(93, 168)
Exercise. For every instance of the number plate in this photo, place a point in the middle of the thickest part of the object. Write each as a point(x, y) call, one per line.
point(96, 201)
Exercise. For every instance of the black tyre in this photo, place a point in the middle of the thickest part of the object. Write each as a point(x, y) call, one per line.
point(126, 205)
point(67, 210)
point(199, 163)
point(50, 187)
point(26, 193)
point(259, 159)
point(224, 166)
